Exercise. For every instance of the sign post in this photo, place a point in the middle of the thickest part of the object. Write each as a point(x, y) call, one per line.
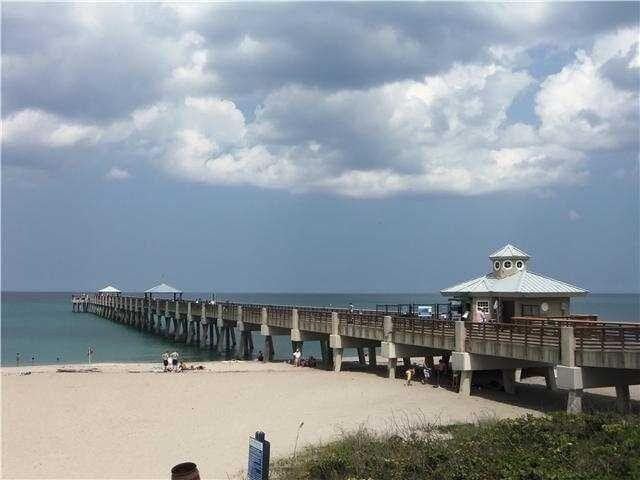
point(259, 451)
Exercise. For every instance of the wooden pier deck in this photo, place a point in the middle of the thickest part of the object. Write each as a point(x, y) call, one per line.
point(573, 354)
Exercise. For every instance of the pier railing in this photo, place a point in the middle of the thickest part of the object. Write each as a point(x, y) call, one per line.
point(539, 334)
point(315, 319)
point(252, 313)
point(279, 316)
point(608, 337)
point(525, 334)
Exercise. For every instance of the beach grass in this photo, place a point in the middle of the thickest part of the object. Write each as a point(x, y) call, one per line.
point(556, 446)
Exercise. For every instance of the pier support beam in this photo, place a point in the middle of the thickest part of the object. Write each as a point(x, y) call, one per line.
point(391, 368)
point(361, 358)
point(268, 348)
point(465, 382)
point(337, 359)
point(550, 379)
point(623, 398)
point(574, 401)
point(190, 329)
point(509, 380)
point(372, 356)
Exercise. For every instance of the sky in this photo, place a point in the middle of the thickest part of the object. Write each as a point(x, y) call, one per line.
point(318, 147)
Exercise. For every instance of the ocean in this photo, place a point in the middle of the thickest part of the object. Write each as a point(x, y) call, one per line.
point(43, 329)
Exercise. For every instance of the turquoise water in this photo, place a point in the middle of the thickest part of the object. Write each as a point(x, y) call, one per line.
point(42, 325)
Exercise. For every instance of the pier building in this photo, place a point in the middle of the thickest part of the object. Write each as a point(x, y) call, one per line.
point(512, 290)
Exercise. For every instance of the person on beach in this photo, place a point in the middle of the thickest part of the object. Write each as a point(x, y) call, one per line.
point(260, 356)
point(18, 359)
point(409, 374)
point(296, 357)
point(440, 369)
point(175, 362)
point(165, 362)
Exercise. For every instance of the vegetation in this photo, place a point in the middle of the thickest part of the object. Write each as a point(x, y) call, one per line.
point(553, 447)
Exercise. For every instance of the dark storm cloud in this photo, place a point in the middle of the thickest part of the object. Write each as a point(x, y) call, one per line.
point(101, 61)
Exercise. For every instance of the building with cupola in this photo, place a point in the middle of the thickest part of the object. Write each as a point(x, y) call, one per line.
point(512, 290)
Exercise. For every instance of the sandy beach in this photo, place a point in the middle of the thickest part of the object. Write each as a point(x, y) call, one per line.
point(132, 421)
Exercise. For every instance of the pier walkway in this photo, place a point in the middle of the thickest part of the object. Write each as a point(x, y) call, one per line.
point(572, 355)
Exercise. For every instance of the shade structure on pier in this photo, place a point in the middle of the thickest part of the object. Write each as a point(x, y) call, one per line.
point(164, 289)
point(109, 289)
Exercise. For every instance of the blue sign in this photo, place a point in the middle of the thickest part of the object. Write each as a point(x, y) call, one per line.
point(259, 449)
point(425, 310)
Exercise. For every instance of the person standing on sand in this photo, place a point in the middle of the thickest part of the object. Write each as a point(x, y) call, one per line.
point(296, 357)
point(18, 359)
point(409, 373)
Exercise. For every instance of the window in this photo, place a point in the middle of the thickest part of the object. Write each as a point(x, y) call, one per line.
point(483, 305)
point(530, 311)
point(519, 264)
point(507, 264)
point(496, 265)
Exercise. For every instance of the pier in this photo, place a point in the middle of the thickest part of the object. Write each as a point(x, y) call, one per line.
point(570, 353)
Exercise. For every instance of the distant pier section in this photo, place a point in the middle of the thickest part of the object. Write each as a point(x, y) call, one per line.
point(483, 327)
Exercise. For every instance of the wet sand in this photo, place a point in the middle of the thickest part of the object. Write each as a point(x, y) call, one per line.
point(133, 421)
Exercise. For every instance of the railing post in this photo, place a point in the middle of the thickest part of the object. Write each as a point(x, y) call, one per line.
point(387, 327)
point(460, 333)
point(567, 347)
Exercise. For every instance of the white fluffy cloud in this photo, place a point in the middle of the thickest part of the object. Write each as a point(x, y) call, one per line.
point(581, 107)
point(446, 132)
point(33, 128)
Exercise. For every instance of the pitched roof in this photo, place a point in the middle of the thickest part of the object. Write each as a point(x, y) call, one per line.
point(109, 289)
point(523, 283)
point(509, 251)
point(163, 288)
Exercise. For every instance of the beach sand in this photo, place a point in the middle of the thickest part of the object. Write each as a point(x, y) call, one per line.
point(132, 421)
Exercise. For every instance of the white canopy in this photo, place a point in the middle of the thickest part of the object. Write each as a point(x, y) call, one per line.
point(163, 288)
point(109, 289)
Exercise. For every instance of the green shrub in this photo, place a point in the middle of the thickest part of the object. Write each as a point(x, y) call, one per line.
point(557, 446)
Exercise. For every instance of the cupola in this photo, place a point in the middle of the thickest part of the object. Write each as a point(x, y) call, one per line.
point(508, 261)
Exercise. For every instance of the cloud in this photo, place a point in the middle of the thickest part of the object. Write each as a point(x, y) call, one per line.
point(580, 106)
point(39, 128)
point(574, 216)
point(365, 101)
point(117, 174)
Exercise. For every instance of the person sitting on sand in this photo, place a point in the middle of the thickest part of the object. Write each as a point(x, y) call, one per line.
point(165, 361)
point(175, 361)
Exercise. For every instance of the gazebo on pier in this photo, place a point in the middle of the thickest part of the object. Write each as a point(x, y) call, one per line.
point(511, 290)
point(110, 290)
point(163, 289)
